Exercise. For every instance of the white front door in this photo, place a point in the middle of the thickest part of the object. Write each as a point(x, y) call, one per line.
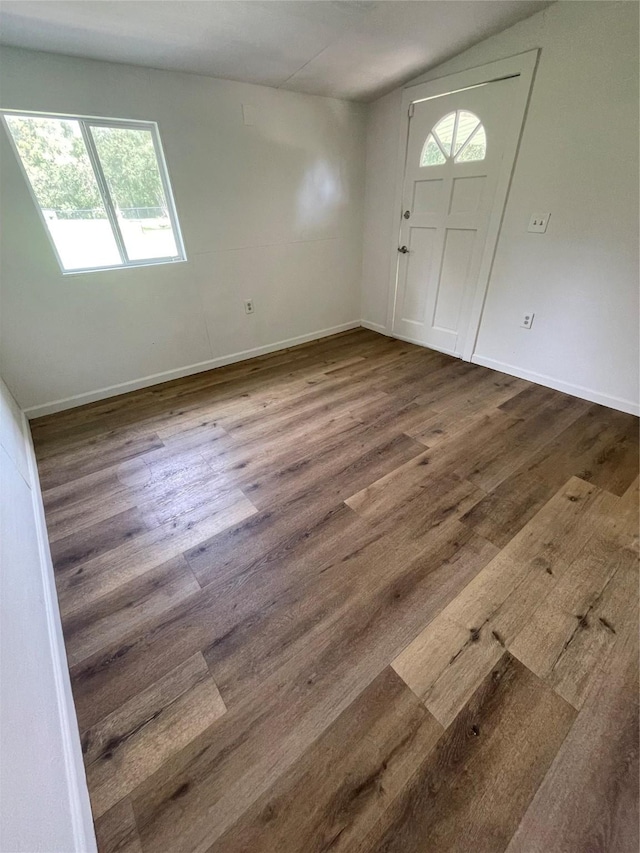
point(454, 160)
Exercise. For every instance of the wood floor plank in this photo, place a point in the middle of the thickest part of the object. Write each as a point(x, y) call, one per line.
point(471, 792)
point(86, 461)
point(248, 462)
point(589, 798)
point(544, 549)
point(599, 447)
point(529, 401)
point(79, 587)
point(113, 443)
point(321, 400)
point(490, 389)
point(430, 653)
point(99, 538)
point(620, 517)
point(345, 469)
point(127, 746)
point(173, 494)
point(574, 625)
point(522, 439)
point(329, 799)
point(614, 611)
point(116, 830)
point(446, 663)
point(145, 483)
point(483, 435)
point(87, 500)
point(418, 514)
point(406, 482)
point(450, 420)
point(278, 377)
point(260, 543)
point(505, 510)
point(445, 377)
point(129, 608)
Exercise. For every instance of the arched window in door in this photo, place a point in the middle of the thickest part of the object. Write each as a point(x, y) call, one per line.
point(459, 136)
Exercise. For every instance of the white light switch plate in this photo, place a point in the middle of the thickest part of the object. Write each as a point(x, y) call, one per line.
point(538, 222)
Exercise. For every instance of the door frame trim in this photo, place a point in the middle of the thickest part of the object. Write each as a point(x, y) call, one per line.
point(522, 68)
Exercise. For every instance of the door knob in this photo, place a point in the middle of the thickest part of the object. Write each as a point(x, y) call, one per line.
point(403, 249)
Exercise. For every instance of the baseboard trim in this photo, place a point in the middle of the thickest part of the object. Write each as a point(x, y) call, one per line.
point(409, 340)
point(589, 394)
point(156, 378)
point(618, 403)
point(78, 792)
point(375, 327)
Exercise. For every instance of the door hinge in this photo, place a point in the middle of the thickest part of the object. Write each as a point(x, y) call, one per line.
point(411, 110)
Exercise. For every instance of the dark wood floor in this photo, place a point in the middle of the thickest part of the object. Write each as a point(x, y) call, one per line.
point(354, 596)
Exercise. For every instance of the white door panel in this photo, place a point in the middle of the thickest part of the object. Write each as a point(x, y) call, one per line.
point(448, 198)
point(422, 248)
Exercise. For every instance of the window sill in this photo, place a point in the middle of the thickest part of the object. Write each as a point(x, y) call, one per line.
point(134, 266)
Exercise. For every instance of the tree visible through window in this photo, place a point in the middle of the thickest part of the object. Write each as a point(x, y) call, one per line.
point(459, 136)
point(101, 188)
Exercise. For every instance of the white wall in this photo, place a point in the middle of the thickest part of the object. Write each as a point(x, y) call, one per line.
point(271, 211)
point(579, 160)
point(45, 804)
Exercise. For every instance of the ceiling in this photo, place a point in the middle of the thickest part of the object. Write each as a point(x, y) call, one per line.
point(354, 49)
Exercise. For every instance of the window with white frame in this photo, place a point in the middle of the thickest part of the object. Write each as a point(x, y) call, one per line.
point(102, 189)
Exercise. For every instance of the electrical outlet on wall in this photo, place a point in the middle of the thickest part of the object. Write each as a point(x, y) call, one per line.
point(527, 320)
point(538, 223)
point(248, 306)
